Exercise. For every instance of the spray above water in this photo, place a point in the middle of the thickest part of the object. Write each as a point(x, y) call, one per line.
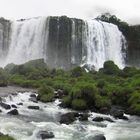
point(92, 43)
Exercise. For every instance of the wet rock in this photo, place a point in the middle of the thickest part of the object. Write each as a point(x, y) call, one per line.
point(45, 135)
point(68, 118)
point(13, 112)
point(117, 112)
point(99, 137)
point(13, 106)
point(33, 95)
point(98, 119)
point(83, 116)
point(33, 99)
point(34, 107)
point(108, 119)
point(5, 106)
point(20, 104)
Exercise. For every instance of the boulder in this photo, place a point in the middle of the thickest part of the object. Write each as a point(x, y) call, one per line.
point(33, 99)
point(5, 106)
point(68, 118)
point(116, 112)
point(33, 95)
point(83, 116)
point(20, 104)
point(13, 106)
point(98, 119)
point(13, 112)
point(99, 137)
point(34, 107)
point(45, 135)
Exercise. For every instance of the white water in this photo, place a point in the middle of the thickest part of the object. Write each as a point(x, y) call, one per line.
point(104, 42)
point(26, 125)
point(27, 40)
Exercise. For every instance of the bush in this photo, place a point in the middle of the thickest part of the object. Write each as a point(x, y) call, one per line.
point(66, 101)
point(76, 72)
point(6, 138)
point(101, 102)
point(45, 93)
point(79, 104)
point(110, 68)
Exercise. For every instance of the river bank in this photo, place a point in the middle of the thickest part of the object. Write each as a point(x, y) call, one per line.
point(5, 91)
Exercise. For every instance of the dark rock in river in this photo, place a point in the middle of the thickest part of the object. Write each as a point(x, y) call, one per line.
point(33, 95)
point(68, 118)
point(20, 104)
point(13, 112)
point(13, 106)
point(5, 106)
point(99, 137)
point(83, 116)
point(98, 119)
point(45, 135)
point(33, 99)
point(34, 107)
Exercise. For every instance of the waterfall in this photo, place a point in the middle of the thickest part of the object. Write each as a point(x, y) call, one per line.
point(104, 42)
point(27, 40)
point(63, 42)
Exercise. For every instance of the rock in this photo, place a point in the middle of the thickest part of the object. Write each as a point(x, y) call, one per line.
point(33, 99)
point(99, 137)
point(20, 104)
point(104, 110)
point(68, 118)
point(45, 135)
point(5, 106)
point(98, 119)
point(34, 107)
point(83, 117)
point(1, 134)
point(33, 95)
point(13, 112)
point(116, 112)
point(124, 118)
point(108, 119)
point(13, 106)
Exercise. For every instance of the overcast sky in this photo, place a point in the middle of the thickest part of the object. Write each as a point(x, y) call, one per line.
point(127, 10)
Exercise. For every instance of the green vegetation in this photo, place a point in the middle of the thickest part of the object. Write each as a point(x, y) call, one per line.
point(6, 137)
point(78, 89)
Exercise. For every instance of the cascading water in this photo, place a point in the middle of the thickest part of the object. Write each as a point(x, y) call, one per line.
point(104, 42)
point(75, 42)
point(27, 41)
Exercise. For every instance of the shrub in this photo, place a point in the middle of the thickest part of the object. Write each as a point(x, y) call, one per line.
point(79, 104)
point(76, 72)
point(101, 83)
point(66, 101)
point(6, 137)
point(45, 93)
point(110, 68)
point(101, 102)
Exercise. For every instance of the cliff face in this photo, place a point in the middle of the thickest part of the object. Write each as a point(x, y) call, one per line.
point(133, 51)
point(65, 42)
point(5, 27)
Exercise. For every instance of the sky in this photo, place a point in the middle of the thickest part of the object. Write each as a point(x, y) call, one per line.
point(127, 10)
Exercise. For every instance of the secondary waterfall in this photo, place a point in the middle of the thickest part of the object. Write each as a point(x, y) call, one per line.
point(104, 42)
point(75, 42)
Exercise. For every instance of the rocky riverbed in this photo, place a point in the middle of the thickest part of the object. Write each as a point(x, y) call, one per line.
point(28, 119)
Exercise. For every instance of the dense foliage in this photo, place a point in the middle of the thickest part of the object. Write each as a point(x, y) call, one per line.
point(81, 90)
